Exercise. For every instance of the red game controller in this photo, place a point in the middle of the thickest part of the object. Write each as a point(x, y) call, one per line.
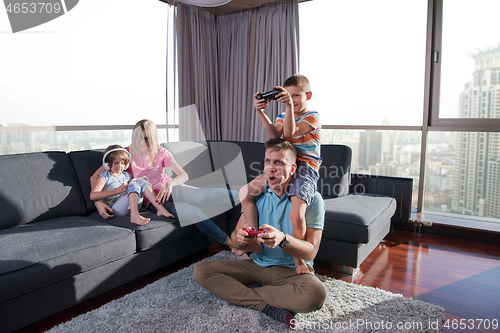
point(253, 233)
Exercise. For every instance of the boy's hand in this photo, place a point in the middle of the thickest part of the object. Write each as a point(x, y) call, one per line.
point(284, 97)
point(259, 104)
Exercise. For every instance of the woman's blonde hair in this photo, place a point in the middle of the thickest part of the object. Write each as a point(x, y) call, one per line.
point(151, 138)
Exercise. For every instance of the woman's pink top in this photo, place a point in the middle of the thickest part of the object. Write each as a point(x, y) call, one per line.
point(157, 177)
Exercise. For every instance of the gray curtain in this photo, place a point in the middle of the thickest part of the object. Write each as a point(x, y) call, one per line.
point(195, 34)
point(258, 51)
point(224, 60)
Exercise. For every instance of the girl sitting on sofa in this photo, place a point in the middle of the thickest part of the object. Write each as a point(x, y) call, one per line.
point(149, 159)
point(116, 188)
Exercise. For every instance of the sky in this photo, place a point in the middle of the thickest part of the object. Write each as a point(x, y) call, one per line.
point(80, 68)
point(102, 60)
point(467, 26)
point(369, 67)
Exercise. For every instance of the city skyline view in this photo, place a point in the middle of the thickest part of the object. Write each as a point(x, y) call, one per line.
point(451, 186)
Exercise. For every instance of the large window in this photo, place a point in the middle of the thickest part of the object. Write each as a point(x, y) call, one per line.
point(102, 63)
point(381, 153)
point(470, 59)
point(34, 140)
point(366, 64)
point(419, 80)
point(365, 60)
point(463, 174)
point(465, 65)
point(426, 72)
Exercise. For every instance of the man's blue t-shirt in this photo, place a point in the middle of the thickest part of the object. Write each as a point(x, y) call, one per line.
point(276, 212)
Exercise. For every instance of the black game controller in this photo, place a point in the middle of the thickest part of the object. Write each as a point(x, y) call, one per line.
point(270, 95)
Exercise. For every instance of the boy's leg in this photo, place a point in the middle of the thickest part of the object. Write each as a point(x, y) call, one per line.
point(298, 216)
point(298, 220)
point(302, 191)
point(247, 194)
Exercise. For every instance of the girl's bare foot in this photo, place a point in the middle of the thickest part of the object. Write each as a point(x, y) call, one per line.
point(138, 219)
point(161, 211)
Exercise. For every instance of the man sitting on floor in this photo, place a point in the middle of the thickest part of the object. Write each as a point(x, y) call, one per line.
point(268, 281)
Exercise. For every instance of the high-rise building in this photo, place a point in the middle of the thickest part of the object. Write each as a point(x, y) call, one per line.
point(476, 189)
point(370, 149)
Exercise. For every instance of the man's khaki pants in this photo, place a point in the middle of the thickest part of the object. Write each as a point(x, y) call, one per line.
point(281, 287)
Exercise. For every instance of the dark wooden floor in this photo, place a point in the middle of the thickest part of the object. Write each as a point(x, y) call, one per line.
point(460, 275)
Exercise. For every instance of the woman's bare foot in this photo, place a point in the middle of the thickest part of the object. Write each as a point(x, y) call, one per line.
point(240, 254)
point(300, 266)
point(138, 219)
point(162, 211)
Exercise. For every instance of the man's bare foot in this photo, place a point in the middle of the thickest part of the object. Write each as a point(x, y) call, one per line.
point(162, 211)
point(138, 219)
point(300, 266)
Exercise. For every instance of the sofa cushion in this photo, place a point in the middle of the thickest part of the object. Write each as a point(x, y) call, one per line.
point(335, 171)
point(242, 161)
point(158, 231)
point(38, 254)
point(36, 187)
point(198, 161)
point(357, 217)
point(85, 163)
point(194, 158)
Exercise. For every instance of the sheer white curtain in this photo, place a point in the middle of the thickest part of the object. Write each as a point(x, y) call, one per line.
point(224, 60)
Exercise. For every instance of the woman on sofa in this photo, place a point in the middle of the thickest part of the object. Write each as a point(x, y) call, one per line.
point(116, 188)
point(150, 159)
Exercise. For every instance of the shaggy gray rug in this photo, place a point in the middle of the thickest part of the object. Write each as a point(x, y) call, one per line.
point(176, 303)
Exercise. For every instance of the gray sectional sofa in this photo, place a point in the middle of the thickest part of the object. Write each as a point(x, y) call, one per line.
point(56, 251)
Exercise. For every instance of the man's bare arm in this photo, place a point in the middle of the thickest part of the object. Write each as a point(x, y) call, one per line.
point(304, 249)
point(246, 244)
